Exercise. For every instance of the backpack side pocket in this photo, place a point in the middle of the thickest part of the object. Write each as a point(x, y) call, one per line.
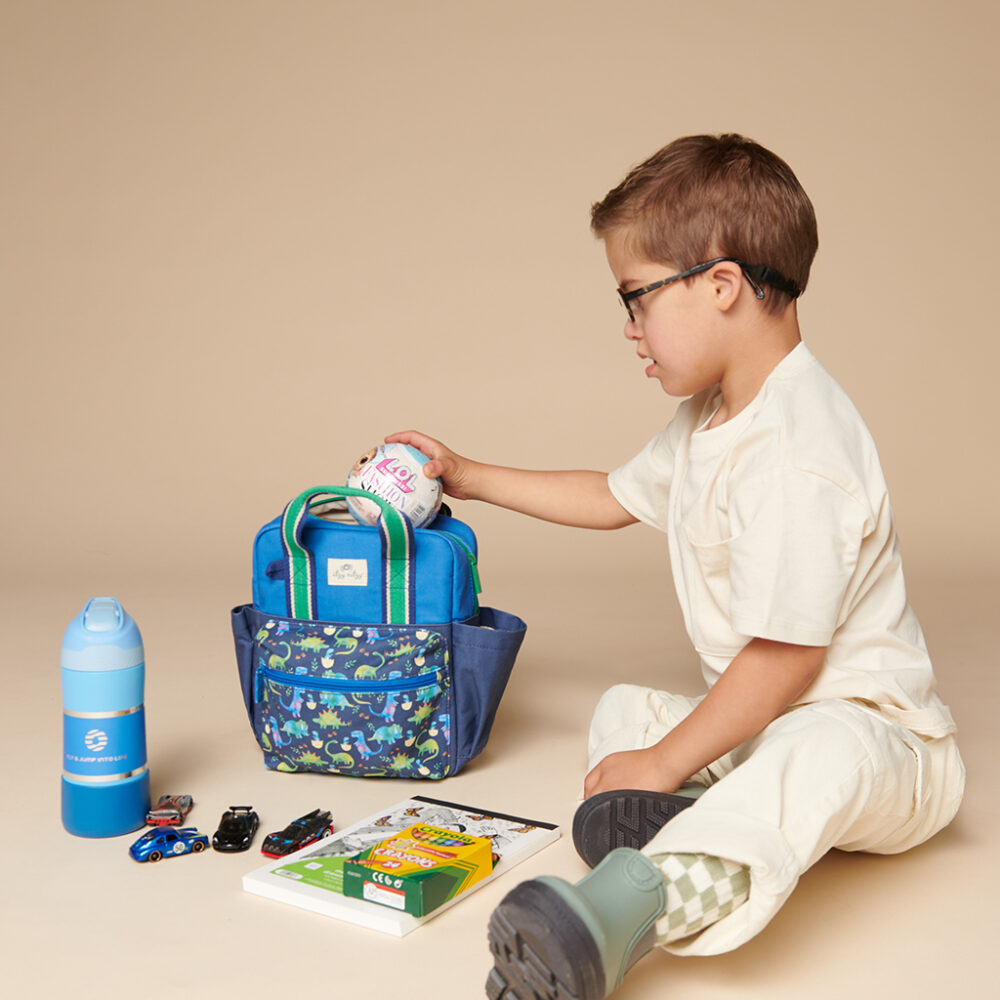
point(484, 651)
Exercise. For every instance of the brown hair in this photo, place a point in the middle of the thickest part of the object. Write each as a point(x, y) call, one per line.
point(706, 196)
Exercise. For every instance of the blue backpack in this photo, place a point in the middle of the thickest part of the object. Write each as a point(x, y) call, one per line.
point(365, 651)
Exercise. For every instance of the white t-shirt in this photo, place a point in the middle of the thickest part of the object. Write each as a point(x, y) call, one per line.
point(779, 526)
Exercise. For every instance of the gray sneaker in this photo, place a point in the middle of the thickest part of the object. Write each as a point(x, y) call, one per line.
point(625, 818)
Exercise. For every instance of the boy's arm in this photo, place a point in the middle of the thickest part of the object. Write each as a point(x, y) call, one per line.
point(579, 498)
point(763, 679)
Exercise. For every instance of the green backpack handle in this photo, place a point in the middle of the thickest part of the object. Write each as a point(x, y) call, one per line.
point(397, 555)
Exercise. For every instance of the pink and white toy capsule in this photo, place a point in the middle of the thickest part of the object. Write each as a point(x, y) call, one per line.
point(394, 472)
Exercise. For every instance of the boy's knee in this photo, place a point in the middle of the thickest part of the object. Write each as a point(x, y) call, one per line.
point(620, 717)
point(620, 695)
point(622, 705)
point(629, 705)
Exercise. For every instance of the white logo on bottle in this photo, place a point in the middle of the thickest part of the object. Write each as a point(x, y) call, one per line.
point(95, 740)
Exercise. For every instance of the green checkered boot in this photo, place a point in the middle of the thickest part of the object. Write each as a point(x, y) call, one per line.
point(575, 942)
point(555, 941)
point(701, 889)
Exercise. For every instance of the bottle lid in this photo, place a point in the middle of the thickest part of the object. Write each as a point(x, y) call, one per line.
point(103, 636)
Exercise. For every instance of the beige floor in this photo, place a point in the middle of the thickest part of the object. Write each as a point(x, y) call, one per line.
point(81, 919)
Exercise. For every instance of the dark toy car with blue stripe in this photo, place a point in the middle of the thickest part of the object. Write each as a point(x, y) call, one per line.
point(298, 833)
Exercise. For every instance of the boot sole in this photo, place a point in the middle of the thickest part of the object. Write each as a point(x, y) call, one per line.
point(542, 950)
point(622, 818)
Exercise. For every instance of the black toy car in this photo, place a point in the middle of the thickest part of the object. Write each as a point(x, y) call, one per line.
point(298, 833)
point(236, 829)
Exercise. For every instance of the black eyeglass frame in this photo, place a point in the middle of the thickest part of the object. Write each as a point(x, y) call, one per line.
point(756, 274)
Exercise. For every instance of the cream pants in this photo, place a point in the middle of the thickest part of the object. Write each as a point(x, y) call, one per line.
point(830, 774)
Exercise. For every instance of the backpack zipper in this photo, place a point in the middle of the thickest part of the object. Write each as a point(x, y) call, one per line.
point(470, 555)
point(336, 684)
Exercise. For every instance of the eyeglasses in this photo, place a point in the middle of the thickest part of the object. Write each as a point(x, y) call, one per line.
point(756, 274)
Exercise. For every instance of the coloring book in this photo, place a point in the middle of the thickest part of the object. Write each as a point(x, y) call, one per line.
point(313, 877)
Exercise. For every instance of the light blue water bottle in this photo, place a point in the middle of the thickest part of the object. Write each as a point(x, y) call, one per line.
point(105, 779)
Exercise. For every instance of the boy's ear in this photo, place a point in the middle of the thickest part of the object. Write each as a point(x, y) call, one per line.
point(725, 282)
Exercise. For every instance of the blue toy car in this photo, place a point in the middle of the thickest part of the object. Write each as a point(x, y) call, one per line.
point(168, 842)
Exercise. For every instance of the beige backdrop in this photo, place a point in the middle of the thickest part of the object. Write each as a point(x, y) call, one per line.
point(243, 240)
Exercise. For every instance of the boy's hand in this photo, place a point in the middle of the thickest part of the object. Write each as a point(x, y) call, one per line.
point(580, 498)
point(642, 769)
point(444, 464)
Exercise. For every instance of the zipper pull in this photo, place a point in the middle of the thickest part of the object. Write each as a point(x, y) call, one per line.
point(471, 556)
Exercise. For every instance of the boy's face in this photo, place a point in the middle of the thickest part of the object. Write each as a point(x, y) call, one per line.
point(675, 326)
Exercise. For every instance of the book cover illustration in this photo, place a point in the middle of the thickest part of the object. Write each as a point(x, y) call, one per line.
point(313, 878)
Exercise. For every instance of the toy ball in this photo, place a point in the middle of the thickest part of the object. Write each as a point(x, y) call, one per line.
point(394, 472)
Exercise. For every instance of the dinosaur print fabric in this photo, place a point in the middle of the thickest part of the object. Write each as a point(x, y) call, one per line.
point(395, 701)
point(367, 700)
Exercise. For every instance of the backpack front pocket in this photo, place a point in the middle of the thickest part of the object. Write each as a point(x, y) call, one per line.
point(372, 701)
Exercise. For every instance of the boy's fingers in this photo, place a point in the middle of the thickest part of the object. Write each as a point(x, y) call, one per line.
point(441, 464)
point(414, 438)
point(401, 437)
point(428, 445)
point(432, 469)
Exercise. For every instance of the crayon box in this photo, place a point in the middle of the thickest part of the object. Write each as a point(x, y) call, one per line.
point(418, 869)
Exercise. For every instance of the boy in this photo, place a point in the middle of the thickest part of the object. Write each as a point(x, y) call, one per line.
point(821, 727)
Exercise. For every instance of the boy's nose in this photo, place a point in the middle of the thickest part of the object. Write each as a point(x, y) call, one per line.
point(631, 330)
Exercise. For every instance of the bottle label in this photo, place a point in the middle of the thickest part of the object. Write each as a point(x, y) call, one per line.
point(104, 745)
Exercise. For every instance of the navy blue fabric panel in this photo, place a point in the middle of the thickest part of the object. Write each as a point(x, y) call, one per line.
point(484, 657)
point(243, 640)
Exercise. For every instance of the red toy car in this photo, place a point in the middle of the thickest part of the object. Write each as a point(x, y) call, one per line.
point(170, 810)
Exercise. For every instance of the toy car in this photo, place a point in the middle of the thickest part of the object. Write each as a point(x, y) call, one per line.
point(304, 830)
point(168, 842)
point(236, 829)
point(170, 810)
